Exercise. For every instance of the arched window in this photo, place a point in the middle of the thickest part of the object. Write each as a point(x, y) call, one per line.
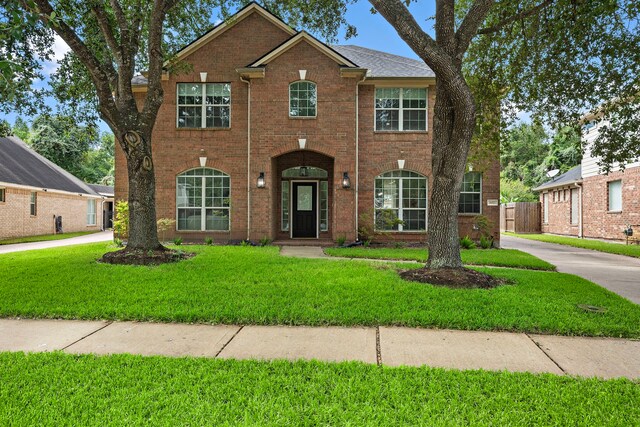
point(401, 201)
point(203, 200)
point(302, 99)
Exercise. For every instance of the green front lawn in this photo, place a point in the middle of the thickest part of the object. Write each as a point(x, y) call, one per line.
point(45, 237)
point(57, 389)
point(596, 245)
point(495, 257)
point(253, 285)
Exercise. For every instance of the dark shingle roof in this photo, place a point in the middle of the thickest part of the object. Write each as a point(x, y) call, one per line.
point(19, 164)
point(569, 177)
point(139, 80)
point(104, 190)
point(382, 64)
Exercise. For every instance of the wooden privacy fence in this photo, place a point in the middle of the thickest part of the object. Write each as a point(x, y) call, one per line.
point(520, 217)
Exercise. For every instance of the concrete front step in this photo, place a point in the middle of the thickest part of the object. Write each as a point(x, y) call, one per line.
point(392, 346)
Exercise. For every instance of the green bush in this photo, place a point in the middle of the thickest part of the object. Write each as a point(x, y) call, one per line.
point(121, 220)
point(265, 241)
point(486, 242)
point(208, 241)
point(177, 241)
point(341, 239)
point(467, 243)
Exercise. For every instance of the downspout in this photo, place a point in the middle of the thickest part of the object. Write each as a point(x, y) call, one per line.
point(248, 82)
point(358, 150)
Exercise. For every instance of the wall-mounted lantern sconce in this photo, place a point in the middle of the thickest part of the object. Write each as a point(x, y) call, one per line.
point(346, 181)
point(261, 182)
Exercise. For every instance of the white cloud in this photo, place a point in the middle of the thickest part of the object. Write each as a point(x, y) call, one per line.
point(60, 48)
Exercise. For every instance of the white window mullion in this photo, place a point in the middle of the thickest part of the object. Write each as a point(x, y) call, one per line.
point(203, 106)
point(400, 114)
point(203, 209)
point(400, 216)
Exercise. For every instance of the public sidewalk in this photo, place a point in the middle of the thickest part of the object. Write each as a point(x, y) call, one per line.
point(392, 346)
point(102, 236)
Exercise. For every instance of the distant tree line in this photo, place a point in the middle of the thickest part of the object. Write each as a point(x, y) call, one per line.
point(526, 155)
point(79, 149)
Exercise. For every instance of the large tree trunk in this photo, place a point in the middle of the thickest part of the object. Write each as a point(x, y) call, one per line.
point(143, 233)
point(452, 131)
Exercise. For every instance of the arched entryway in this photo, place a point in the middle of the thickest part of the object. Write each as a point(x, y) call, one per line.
point(304, 197)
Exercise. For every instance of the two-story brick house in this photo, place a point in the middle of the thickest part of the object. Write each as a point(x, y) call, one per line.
point(275, 134)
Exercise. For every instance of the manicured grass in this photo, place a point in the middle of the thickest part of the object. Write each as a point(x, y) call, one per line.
point(45, 237)
point(596, 245)
point(249, 285)
point(59, 389)
point(495, 257)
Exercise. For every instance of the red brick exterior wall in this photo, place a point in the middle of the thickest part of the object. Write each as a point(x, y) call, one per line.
point(330, 137)
point(16, 219)
point(559, 213)
point(598, 221)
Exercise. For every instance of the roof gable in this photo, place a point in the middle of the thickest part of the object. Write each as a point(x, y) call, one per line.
point(295, 40)
point(233, 20)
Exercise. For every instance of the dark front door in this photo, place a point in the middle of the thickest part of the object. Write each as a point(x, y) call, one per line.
point(305, 209)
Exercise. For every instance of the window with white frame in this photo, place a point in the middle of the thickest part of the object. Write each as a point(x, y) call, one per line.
point(91, 212)
point(401, 109)
point(615, 196)
point(204, 105)
point(303, 99)
point(3, 195)
point(470, 201)
point(33, 204)
point(400, 201)
point(203, 200)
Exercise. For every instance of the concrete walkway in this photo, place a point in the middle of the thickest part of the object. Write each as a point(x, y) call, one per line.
point(618, 273)
point(392, 346)
point(102, 236)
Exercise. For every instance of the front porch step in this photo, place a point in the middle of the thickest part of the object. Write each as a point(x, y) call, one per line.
point(304, 242)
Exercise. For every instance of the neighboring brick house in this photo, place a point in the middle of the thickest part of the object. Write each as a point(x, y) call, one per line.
point(275, 134)
point(584, 202)
point(34, 192)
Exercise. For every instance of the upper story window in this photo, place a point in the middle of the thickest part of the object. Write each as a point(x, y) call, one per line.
point(401, 109)
point(471, 194)
point(204, 105)
point(303, 99)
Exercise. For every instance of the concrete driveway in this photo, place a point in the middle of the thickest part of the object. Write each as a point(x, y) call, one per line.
point(103, 236)
point(618, 273)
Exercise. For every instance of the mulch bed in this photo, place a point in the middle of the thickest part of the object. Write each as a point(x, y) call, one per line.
point(457, 278)
point(142, 257)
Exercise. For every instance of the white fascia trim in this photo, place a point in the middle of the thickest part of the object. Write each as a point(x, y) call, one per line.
point(297, 39)
point(8, 185)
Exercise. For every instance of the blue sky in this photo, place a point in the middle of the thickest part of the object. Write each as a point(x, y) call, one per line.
point(373, 32)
